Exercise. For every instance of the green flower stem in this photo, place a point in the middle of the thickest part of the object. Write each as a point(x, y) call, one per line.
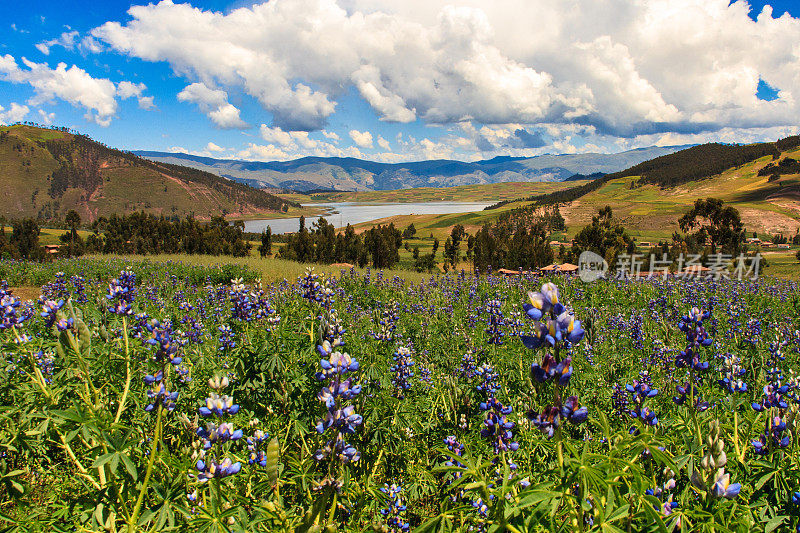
point(150, 462)
point(121, 406)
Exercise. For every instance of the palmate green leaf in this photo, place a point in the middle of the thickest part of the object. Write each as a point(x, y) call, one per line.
point(649, 504)
point(610, 528)
point(103, 459)
point(773, 524)
point(130, 466)
point(535, 497)
point(431, 526)
point(617, 514)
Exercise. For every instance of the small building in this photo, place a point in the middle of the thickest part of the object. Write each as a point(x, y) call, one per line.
point(767, 244)
point(783, 247)
point(52, 248)
point(565, 268)
point(695, 270)
point(753, 240)
point(646, 244)
point(509, 272)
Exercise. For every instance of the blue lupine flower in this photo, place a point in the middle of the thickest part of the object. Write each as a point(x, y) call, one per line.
point(214, 469)
point(570, 327)
point(342, 418)
point(641, 391)
point(497, 428)
point(309, 285)
point(395, 521)
point(402, 370)
point(548, 421)
point(537, 307)
point(214, 435)
point(49, 311)
point(496, 323)
point(122, 292)
point(684, 391)
point(218, 406)
point(572, 412)
point(12, 312)
point(550, 369)
point(63, 324)
point(255, 447)
point(161, 337)
point(490, 380)
point(724, 488)
point(553, 323)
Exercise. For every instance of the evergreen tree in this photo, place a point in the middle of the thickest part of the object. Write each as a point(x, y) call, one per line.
point(266, 243)
point(25, 239)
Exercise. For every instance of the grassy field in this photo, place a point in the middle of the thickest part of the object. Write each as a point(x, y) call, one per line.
point(270, 268)
point(492, 192)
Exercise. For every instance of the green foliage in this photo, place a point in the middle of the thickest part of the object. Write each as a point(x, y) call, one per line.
point(25, 239)
point(323, 245)
point(785, 166)
point(604, 236)
point(512, 245)
point(265, 248)
point(142, 233)
point(383, 244)
point(717, 222)
point(79, 452)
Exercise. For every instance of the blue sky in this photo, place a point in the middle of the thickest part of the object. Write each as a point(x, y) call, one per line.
point(393, 81)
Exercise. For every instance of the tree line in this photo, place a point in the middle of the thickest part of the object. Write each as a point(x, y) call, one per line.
point(144, 233)
point(136, 233)
point(378, 246)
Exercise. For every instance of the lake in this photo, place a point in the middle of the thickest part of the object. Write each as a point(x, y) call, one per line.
point(343, 213)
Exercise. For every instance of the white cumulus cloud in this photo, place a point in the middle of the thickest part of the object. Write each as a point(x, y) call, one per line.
point(363, 139)
point(73, 85)
point(14, 114)
point(67, 40)
point(45, 117)
point(214, 103)
point(615, 65)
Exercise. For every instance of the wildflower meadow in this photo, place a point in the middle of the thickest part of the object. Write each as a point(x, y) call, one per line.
point(158, 397)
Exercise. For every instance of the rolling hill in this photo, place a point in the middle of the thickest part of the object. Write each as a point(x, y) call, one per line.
point(761, 180)
point(46, 172)
point(349, 174)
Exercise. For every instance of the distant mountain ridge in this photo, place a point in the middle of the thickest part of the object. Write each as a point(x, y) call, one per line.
point(351, 174)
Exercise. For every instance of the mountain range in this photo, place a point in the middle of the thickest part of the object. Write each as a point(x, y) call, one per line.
point(350, 174)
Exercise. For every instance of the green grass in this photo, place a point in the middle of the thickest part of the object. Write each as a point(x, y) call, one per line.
point(269, 269)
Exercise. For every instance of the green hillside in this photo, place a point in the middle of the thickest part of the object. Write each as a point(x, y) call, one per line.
point(44, 173)
point(761, 181)
point(766, 206)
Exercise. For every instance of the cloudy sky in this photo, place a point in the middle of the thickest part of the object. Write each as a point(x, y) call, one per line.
point(399, 80)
